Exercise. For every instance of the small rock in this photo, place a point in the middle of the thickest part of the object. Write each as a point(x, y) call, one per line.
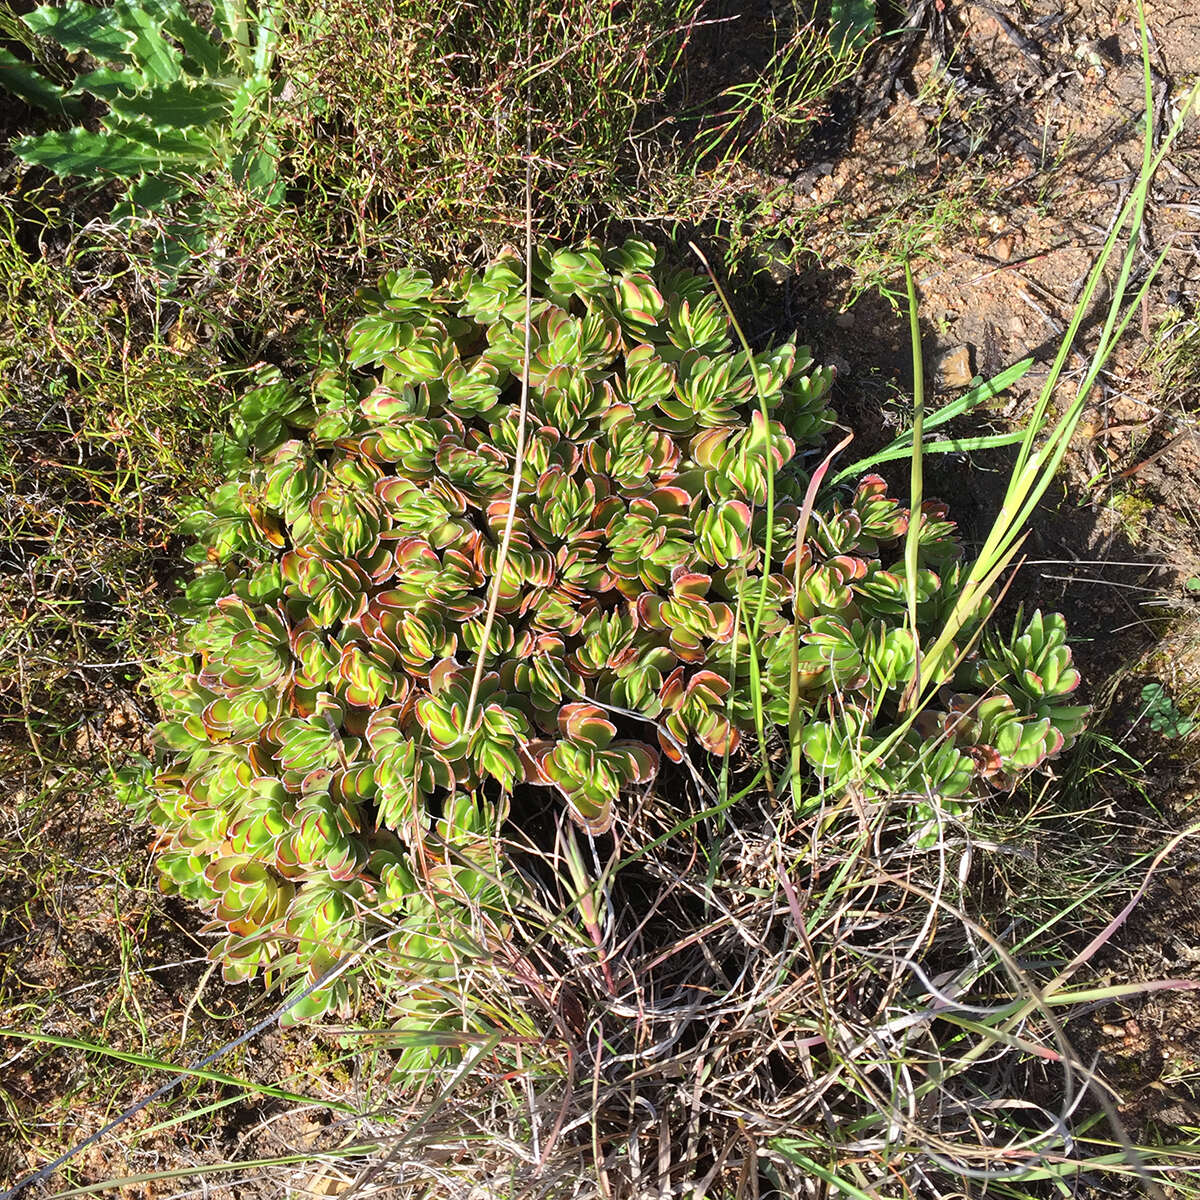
point(844, 320)
point(841, 368)
point(954, 367)
point(1002, 248)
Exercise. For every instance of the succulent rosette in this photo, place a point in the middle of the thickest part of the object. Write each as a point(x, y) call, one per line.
point(329, 763)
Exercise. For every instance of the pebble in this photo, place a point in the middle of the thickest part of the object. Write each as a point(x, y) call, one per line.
point(844, 320)
point(1002, 248)
point(954, 367)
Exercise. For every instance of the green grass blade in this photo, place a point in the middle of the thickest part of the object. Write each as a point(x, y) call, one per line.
point(792, 1152)
point(1034, 470)
point(965, 445)
point(154, 1064)
point(902, 446)
point(912, 540)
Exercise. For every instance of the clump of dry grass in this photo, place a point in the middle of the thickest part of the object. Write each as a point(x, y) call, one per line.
point(760, 1005)
point(753, 1004)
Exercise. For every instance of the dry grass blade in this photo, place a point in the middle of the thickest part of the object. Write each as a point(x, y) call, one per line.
point(519, 451)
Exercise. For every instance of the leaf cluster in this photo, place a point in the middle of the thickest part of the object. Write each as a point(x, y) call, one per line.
point(177, 104)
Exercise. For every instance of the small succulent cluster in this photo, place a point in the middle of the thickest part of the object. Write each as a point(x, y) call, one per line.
point(328, 766)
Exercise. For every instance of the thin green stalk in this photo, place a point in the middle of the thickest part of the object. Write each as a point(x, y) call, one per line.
point(587, 899)
point(793, 1151)
point(738, 617)
point(912, 540)
point(755, 630)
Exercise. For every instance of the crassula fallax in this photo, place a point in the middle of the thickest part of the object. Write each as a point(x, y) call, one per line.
point(326, 757)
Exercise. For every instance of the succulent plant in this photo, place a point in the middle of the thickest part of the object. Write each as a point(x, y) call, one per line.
point(330, 765)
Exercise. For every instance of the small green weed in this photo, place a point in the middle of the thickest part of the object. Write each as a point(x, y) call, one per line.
point(1174, 358)
point(754, 120)
point(1164, 716)
point(1133, 509)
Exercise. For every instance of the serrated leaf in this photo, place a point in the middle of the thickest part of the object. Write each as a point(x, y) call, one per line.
point(268, 37)
point(76, 26)
point(178, 105)
point(198, 47)
point(170, 147)
point(181, 240)
point(157, 58)
point(22, 80)
point(230, 16)
point(153, 192)
point(258, 172)
point(81, 152)
point(109, 82)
